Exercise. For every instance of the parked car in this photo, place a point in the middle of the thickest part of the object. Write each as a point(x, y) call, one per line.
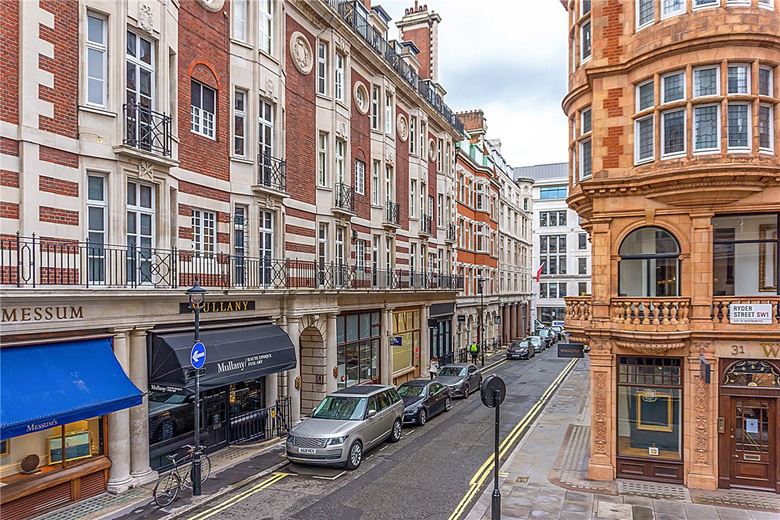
point(520, 350)
point(423, 399)
point(547, 337)
point(558, 330)
point(461, 378)
point(346, 424)
point(537, 343)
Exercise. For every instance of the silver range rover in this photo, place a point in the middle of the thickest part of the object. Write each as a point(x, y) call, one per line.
point(346, 424)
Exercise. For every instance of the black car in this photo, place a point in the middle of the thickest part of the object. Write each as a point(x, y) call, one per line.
point(558, 330)
point(462, 378)
point(537, 343)
point(520, 350)
point(424, 399)
point(548, 337)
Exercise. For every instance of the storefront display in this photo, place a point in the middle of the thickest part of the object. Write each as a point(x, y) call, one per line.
point(358, 340)
point(406, 327)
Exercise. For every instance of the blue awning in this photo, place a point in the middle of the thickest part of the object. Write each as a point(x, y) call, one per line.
point(49, 385)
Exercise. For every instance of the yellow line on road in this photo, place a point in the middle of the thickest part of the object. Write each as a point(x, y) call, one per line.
point(486, 468)
point(274, 478)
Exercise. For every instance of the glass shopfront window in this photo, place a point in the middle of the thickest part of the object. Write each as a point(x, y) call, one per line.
point(358, 337)
point(745, 255)
point(649, 408)
point(406, 326)
point(441, 340)
point(36, 454)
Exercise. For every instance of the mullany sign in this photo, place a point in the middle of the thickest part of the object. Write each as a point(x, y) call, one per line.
point(750, 313)
point(224, 306)
point(571, 350)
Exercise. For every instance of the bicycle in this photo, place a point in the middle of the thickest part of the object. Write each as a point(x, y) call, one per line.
point(168, 484)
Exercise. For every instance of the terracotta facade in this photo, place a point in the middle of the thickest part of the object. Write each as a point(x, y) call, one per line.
point(674, 170)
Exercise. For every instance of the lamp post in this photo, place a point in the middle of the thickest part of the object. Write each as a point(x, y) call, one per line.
point(481, 331)
point(196, 295)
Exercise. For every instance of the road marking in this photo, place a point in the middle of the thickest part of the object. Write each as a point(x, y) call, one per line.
point(273, 479)
point(334, 477)
point(497, 365)
point(484, 471)
point(383, 448)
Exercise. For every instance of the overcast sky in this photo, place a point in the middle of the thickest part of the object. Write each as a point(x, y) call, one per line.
point(509, 60)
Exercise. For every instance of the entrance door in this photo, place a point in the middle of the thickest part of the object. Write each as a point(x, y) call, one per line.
point(753, 442)
point(214, 406)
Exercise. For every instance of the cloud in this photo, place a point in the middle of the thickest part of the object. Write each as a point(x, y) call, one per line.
point(509, 58)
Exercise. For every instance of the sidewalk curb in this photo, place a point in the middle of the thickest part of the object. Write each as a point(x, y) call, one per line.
point(183, 510)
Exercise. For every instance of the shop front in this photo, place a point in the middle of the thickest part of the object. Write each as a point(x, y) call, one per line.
point(405, 345)
point(234, 404)
point(54, 446)
point(440, 332)
point(358, 337)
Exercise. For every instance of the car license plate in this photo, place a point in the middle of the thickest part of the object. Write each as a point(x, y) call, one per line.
point(307, 450)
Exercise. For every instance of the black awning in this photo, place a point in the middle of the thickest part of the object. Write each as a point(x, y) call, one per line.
point(442, 310)
point(232, 355)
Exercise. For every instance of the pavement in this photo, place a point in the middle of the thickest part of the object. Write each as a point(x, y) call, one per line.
point(545, 477)
point(233, 468)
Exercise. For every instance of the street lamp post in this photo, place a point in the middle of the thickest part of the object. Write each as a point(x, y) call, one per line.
point(481, 332)
point(196, 295)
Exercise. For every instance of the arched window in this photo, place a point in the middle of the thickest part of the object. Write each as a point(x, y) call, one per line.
point(752, 373)
point(649, 264)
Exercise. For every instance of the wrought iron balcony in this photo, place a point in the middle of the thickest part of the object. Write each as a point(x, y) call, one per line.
point(450, 233)
point(32, 262)
point(271, 172)
point(345, 197)
point(392, 213)
point(147, 130)
point(426, 224)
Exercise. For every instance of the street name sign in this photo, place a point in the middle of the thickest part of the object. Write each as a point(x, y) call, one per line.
point(750, 313)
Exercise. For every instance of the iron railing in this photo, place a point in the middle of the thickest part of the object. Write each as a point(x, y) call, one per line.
point(426, 224)
point(392, 213)
point(47, 262)
point(355, 18)
point(345, 197)
point(262, 424)
point(147, 130)
point(450, 233)
point(271, 172)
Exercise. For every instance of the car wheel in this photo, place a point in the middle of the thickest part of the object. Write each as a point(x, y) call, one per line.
point(465, 391)
point(355, 455)
point(395, 435)
point(422, 416)
point(448, 405)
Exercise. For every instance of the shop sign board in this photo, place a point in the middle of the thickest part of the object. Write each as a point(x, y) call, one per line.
point(396, 341)
point(571, 350)
point(210, 307)
point(750, 313)
point(461, 318)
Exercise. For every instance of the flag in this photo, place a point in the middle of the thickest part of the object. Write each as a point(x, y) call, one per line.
point(539, 271)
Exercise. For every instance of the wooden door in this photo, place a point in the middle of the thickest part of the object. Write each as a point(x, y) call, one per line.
point(753, 442)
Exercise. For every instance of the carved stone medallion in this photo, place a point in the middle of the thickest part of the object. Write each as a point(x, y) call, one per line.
point(212, 5)
point(361, 97)
point(301, 53)
point(145, 19)
point(403, 127)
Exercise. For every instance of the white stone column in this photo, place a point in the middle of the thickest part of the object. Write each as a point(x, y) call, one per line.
point(425, 341)
point(119, 427)
point(139, 415)
point(271, 389)
point(294, 331)
point(331, 357)
point(385, 358)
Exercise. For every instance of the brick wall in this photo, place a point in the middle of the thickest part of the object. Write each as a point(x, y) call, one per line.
point(360, 138)
point(402, 174)
point(421, 37)
point(301, 139)
point(64, 66)
point(9, 210)
point(58, 186)
point(9, 61)
point(204, 56)
point(58, 216)
point(203, 191)
point(61, 157)
point(9, 179)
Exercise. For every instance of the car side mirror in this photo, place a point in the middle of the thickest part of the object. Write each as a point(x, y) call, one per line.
point(371, 413)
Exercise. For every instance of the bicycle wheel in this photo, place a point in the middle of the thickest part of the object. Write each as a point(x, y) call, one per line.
point(166, 489)
point(205, 467)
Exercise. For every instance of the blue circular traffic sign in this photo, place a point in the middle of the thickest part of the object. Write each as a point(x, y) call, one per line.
point(198, 355)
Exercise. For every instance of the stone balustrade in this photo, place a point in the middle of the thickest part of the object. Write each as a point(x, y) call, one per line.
point(577, 311)
point(643, 313)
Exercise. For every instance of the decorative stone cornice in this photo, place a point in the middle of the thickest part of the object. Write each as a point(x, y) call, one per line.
point(650, 348)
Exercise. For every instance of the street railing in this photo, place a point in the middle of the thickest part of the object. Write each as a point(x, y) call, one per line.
point(45, 262)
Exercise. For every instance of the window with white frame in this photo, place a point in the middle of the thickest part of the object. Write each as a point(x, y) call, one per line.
point(673, 87)
point(645, 95)
point(738, 79)
point(766, 3)
point(139, 80)
point(322, 159)
point(766, 134)
point(203, 109)
point(584, 144)
point(423, 133)
point(706, 81)
point(338, 79)
point(360, 177)
point(439, 210)
point(413, 198)
point(553, 254)
point(389, 114)
point(204, 231)
point(706, 128)
point(738, 129)
point(360, 255)
point(645, 13)
point(140, 231)
point(239, 19)
point(375, 169)
point(376, 96)
point(672, 8)
point(705, 3)
point(97, 62)
point(738, 2)
point(389, 192)
point(239, 123)
point(644, 139)
point(97, 218)
point(412, 135)
point(266, 231)
point(480, 203)
point(265, 130)
point(673, 132)
point(765, 86)
point(322, 251)
point(341, 152)
point(322, 68)
point(266, 25)
point(585, 40)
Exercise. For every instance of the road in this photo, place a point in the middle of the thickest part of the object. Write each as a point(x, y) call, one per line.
point(424, 476)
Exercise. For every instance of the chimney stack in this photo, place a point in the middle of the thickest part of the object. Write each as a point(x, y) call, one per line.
point(421, 27)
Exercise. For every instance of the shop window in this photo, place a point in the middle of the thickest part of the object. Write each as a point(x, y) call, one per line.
point(649, 408)
point(358, 338)
point(745, 255)
point(649, 264)
point(406, 327)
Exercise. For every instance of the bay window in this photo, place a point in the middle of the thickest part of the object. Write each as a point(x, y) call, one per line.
point(745, 255)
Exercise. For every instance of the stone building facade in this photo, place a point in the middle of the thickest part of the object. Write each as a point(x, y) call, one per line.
point(286, 156)
point(673, 117)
